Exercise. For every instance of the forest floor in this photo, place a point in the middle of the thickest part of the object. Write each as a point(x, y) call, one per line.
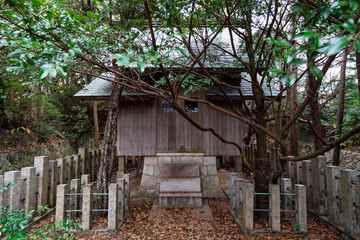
point(213, 221)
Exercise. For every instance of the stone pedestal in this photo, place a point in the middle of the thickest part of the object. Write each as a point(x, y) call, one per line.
point(150, 181)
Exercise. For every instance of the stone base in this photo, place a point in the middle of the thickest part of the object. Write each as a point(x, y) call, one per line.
point(180, 200)
point(150, 181)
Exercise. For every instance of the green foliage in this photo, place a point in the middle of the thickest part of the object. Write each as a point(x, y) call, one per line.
point(12, 224)
point(296, 227)
point(81, 119)
point(191, 82)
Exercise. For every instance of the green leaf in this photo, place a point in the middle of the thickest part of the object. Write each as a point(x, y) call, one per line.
point(297, 61)
point(318, 41)
point(317, 73)
point(336, 45)
point(49, 15)
point(7, 12)
point(357, 45)
point(299, 36)
point(281, 42)
point(284, 79)
point(308, 35)
point(284, 43)
point(183, 52)
point(122, 60)
point(288, 59)
point(291, 80)
point(19, 50)
point(325, 12)
point(44, 72)
point(61, 71)
point(275, 70)
point(52, 72)
point(297, 7)
point(337, 4)
point(141, 66)
point(36, 4)
point(353, 6)
point(348, 27)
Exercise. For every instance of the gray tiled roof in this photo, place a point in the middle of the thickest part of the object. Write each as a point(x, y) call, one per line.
point(216, 57)
point(100, 89)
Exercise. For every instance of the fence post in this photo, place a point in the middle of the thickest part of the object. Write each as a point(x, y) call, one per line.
point(2, 194)
point(83, 152)
point(299, 172)
point(307, 179)
point(300, 206)
point(233, 177)
point(92, 163)
point(332, 185)
point(53, 170)
point(121, 166)
point(319, 185)
point(127, 192)
point(290, 171)
point(13, 191)
point(239, 198)
point(350, 199)
point(121, 198)
point(87, 203)
point(286, 203)
point(274, 204)
point(77, 168)
point(113, 207)
point(42, 170)
point(29, 176)
point(74, 199)
point(85, 179)
point(61, 203)
point(62, 170)
point(248, 213)
point(69, 168)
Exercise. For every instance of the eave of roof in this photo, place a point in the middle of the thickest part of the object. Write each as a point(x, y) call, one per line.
point(100, 89)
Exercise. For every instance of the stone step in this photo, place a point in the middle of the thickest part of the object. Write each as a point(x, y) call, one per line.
point(180, 200)
point(180, 185)
point(179, 170)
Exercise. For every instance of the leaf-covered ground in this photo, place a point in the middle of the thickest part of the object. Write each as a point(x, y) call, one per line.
point(213, 221)
point(143, 222)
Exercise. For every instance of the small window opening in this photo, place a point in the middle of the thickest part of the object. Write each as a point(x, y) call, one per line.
point(190, 106)
point(166, 107)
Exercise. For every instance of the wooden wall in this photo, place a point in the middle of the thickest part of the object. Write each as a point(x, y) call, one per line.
point(144, 130)
point(136, 133)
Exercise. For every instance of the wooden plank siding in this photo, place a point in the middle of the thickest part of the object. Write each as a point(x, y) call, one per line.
point(136, 135)
point(144, 130)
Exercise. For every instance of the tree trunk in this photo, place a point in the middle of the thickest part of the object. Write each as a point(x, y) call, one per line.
point(340, 107)
point(96, 125)
point(294, 129)
point(315, 112)
point(357, 55)
point(262, 165)
point(109, 144)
